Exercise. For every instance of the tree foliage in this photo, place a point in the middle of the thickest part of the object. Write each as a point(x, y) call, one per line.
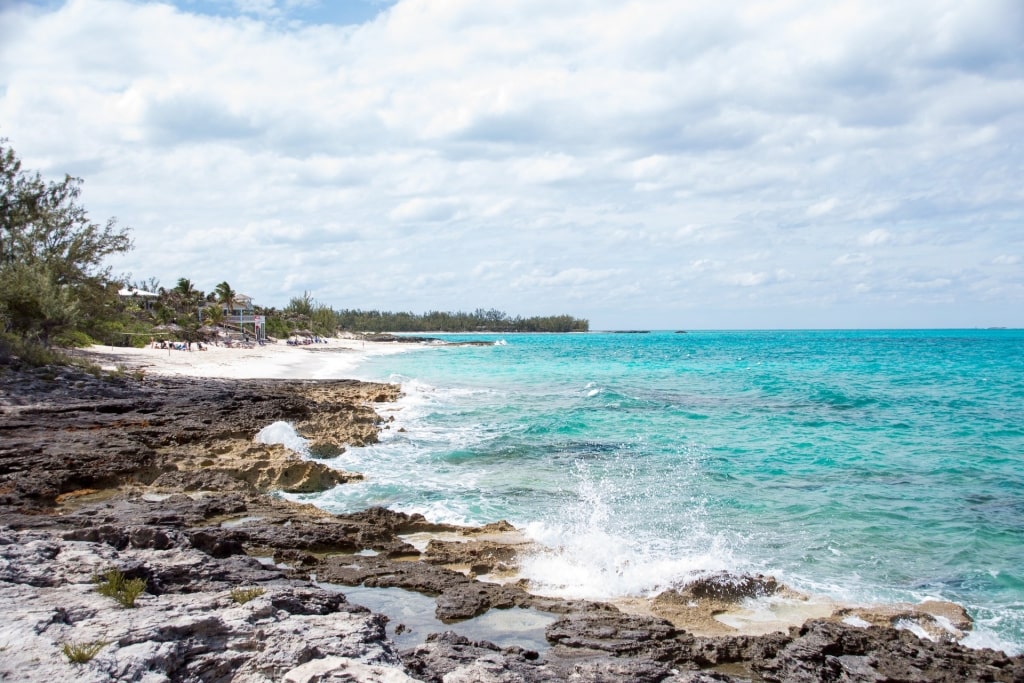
point(480, 320)
point(225, 295)
point(51, 254)
point(32, 301)
point(304, 313)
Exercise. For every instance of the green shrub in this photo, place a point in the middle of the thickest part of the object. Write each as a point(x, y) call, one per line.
point(28, 352)
point(123, 590)
point(244, 595)
point(81, 653)
point(75, 339)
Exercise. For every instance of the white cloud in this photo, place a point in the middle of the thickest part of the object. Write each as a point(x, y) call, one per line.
point(597, 152)
point(569, 277)
point(746, 279)
point(420, 210)
point(852, 260)
point(822, 208)
point(876, 237)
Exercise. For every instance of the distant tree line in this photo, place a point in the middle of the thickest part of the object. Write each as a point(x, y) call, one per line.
point(305, 313)
point(479, 320)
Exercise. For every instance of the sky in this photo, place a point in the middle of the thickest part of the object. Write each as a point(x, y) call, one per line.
point(646, 164)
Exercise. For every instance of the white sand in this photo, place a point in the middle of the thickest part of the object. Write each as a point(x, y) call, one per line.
point(333, 360)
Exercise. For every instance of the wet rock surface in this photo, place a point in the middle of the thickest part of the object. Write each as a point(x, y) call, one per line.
point(161, 479)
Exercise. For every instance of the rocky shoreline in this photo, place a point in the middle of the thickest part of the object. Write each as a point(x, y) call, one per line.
point(161, 480)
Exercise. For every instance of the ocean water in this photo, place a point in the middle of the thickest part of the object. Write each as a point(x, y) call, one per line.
point(866, 466)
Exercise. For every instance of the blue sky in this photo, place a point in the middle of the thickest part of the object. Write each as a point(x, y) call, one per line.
point(337, 12)
point(647, 163)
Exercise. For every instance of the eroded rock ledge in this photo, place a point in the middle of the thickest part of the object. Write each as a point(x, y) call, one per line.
point(161, 479)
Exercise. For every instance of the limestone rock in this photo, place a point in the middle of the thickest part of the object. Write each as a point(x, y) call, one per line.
point(341, 670)
point(185, 627)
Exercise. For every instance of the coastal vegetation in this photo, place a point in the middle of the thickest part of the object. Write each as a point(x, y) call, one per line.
point(244, 595)
point(325, 320)
point(188, 312)
point(52, 274)
point(114, 584)
point(56, 289)
point(437, 321)
point(83, 653)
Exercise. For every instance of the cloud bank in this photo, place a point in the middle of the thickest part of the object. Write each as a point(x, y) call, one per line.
point(651, 163)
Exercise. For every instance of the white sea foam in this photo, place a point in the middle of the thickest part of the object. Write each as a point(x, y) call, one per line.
point(404, 470)
point(913, 627)
point(600, 565)
point(283, 433)
point(440, 512)
point(765, 615)
point(573, 575)
point(593, 552)
point(982, 637)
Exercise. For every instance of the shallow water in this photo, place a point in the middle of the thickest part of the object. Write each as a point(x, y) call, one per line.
point(862, 465)
point(411, 619)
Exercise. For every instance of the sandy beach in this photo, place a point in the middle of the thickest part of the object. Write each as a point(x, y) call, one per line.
point(332, 359)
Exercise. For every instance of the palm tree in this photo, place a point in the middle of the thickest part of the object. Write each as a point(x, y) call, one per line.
point(225, 295)
point(213, 315)
point(185, 288)
point(185, 296)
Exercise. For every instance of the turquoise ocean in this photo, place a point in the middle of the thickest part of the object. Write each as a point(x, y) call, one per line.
point(866, 466)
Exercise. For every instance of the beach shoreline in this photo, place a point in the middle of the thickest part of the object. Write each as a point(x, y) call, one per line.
point(758, 613)
point(198, 413)
point(331, 358)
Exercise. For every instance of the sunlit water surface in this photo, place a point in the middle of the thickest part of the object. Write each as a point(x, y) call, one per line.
point(862, 465)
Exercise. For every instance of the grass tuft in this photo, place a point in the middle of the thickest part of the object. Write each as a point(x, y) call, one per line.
point(244, 595)
point(124, 591)
point(81, 653)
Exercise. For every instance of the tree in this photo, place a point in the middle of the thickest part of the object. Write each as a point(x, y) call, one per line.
point(301, 305)
point(324, 321)
point(51, 254)
point(186, 290)
point(43, 222)
point(34, 303)
point(213, 315)
point(184, 298)
point(225, 296)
